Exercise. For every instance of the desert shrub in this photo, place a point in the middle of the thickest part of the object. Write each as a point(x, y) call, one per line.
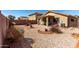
point(56, 30)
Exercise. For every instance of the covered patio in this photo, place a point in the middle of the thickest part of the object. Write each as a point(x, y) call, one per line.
point(49, 20)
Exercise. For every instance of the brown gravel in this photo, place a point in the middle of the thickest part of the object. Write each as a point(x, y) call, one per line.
point(64, 40)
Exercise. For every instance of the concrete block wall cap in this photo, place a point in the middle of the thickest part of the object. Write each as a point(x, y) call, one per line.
point(0, 11)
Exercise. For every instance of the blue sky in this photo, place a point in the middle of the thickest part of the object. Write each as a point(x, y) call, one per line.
point(18, 13)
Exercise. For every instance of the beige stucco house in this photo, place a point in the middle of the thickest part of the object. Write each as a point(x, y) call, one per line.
point(50, 18)
point(22, 18)
point(34, 16)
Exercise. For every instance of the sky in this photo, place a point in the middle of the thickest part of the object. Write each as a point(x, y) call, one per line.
point(18, 13)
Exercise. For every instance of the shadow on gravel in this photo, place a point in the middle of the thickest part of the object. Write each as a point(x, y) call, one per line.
point(24, 43)
point(27, 42)
point(15, 39)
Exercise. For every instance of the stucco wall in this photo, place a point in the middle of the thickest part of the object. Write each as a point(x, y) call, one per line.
point(62, 18)
point(32, 17)
point(78, 22)
point(4, 23)
point(72, 22)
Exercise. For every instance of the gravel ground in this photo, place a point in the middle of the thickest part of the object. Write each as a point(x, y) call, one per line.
point(64, 40)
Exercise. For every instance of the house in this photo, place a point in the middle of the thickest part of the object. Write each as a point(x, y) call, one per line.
point(64, 20)
point(51, 18)
point(22, 18)
point(34, 17)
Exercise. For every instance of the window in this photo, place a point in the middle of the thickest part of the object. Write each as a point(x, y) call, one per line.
point(72, 20)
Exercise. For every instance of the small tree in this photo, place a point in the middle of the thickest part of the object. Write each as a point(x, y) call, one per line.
point(11, 17)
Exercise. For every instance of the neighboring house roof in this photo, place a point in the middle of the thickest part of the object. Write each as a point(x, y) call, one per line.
point(36, 13)
point(23, 17)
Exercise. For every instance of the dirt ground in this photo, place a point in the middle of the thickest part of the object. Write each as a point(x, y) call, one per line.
point(64, 40)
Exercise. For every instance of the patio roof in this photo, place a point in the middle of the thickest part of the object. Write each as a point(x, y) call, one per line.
point(57, 13)
point(44, 15)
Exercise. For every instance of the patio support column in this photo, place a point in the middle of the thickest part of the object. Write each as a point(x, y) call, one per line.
point(47, 21)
